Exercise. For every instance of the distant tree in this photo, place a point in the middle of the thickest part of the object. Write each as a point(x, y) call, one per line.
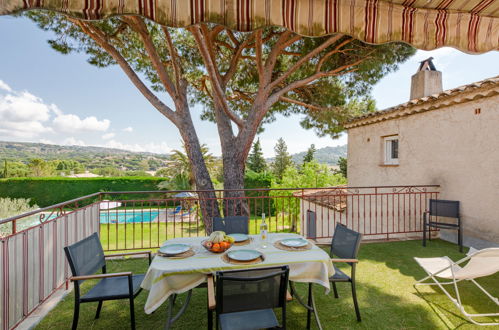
point(312, 175)
point(38, 167)
point(109, 171)
point(342, 163)
point(282, 158)
point(14, 170)
point(5, 171)
point(180, 166)
point(137, 173)
point(68, 166)
point(309, 156)
point(178, 182)
point(162, 172)
point(256, 162)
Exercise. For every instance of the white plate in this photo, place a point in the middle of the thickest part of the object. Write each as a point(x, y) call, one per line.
point(239, 237)
point(244, 255)
point(173, 249)
point(294, 242)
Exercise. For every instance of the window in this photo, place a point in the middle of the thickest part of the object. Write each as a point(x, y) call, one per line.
point(391, 150)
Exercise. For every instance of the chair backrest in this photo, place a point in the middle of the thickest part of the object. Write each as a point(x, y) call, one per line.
point(245, 290)
point(482, 263)
point(231, 224)
point(86, 256)
point(346, 242)
point(444, 208)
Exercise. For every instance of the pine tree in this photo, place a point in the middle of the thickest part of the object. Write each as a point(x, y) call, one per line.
point(256, 162)
point(282, 158)
point(342, 163)
point(309, 156)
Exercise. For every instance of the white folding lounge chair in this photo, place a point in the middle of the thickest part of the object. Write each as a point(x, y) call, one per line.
point(481, 263)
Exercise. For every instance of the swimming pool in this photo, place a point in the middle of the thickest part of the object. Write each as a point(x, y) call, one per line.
point(128, 217)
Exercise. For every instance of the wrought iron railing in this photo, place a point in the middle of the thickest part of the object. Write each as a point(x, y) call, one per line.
point(33, 265)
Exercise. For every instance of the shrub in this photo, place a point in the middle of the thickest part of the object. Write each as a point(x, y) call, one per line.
point(10, 207)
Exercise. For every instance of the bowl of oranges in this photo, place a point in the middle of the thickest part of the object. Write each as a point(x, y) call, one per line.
point(218, 242)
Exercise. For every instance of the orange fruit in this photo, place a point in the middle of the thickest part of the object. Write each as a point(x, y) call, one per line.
point(215, 247)
point(224, 245)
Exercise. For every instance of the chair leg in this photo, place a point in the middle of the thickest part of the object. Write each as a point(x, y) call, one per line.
point(132, 313)
point(355, 304)
point(76, 314)
point(424, 233)
point(309, 303)
point(460, 237)
point(210, 319)
point(99, 307)
point(335, 290)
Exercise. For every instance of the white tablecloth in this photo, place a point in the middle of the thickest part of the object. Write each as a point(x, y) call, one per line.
point(167, 276)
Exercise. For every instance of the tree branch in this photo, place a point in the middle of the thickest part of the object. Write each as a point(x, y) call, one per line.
point(137, 24)
point(339, 70)
point(331, 53)
point(175, 60)
point(303, 104)
point(259, 59)
point(100, 38)
point(237, 55)
point(219, 97)
point(305, 59)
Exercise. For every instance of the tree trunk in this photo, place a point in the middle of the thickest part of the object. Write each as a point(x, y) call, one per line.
point(207, 196)
point(235, 202)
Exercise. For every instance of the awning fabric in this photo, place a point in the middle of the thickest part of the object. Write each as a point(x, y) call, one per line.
point(469, 25)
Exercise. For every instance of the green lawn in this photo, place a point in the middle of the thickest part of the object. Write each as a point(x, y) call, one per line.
point(153, 234)
point(387, 298)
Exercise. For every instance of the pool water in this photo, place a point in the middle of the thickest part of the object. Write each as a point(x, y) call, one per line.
point(121, 217)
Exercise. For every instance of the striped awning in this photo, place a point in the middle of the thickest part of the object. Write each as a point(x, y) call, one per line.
point(469, 25)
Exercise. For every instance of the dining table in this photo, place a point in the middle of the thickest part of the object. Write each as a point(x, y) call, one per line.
point(168, 277)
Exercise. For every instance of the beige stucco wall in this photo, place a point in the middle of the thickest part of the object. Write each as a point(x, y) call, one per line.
point(451, 146)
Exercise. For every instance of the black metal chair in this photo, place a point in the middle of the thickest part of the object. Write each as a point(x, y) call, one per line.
point(245, 299)
point(231, 224)
point(443, 208)
point(85, 258)
point(345, 246)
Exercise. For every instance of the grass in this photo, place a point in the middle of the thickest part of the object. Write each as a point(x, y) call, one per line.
point(151, 234)
point(387, 298)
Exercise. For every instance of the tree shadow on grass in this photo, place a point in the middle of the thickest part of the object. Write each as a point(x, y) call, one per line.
point(395, 259)
point(379, 310)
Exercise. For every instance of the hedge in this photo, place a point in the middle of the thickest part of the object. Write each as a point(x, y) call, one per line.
point(49, 191)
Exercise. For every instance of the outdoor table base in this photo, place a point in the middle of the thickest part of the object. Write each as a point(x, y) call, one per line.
point(170, 319)
point(310, 305)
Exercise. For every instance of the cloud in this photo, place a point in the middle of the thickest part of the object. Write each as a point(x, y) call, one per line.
point(5, 87)
point(23, 115)
point(108, 136)
point(158, 148)
point(128, 129)
point(71, 141)
point(71, 123)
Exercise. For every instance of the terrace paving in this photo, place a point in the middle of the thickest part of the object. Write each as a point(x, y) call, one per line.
point(387, 298)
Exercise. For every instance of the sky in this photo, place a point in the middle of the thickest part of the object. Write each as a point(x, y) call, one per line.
point(52, 98)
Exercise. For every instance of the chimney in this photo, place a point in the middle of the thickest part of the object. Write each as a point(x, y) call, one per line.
point(426, 81)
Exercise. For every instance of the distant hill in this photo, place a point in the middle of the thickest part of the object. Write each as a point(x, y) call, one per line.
point(326, 155)
point(91, 157)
